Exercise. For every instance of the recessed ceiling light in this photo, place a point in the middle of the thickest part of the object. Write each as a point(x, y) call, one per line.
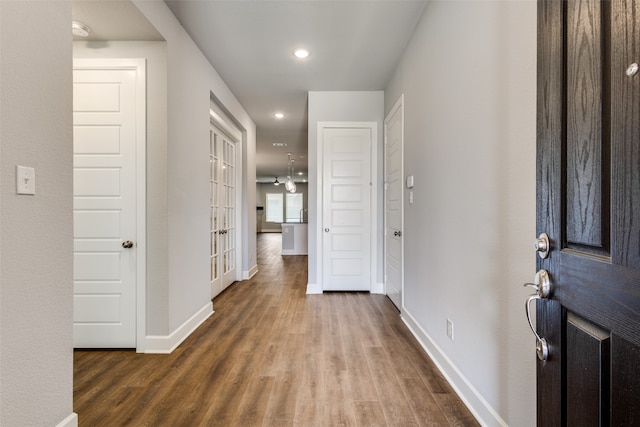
point(301, 53)
point(279, 144)
point(278, 115)
point(79, 29)
point(300, 173)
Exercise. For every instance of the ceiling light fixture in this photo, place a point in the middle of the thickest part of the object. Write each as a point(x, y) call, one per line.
point(276, 182)
point(279, 144)
point(301, 53)
point(79, 29)
point(278, 115)
point(290, 184)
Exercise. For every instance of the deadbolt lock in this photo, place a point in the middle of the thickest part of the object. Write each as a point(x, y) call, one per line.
point(542, 245)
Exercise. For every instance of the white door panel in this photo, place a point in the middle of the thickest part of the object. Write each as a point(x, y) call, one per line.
point(393, 198)
point(347, 208)
point(104, 208)
point(96, 139)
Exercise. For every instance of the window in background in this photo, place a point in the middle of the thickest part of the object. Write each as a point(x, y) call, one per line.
point(274, 207)
point(294, 207)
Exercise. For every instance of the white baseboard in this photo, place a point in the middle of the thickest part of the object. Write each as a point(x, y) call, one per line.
point(377, 288)
point(165, 344)
point(313, 288)
point(246, 275)
point(479, 407)
point(70, 421)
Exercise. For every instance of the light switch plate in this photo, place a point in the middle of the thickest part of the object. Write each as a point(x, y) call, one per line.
point(25, 180)
point(410, 181)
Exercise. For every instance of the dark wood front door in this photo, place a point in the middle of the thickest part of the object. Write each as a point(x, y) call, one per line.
point(588, 201)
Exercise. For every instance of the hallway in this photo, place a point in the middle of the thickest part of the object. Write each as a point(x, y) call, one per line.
point(271, 355)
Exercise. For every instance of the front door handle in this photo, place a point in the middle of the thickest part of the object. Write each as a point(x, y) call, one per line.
point(542, 285)
point(127, 244)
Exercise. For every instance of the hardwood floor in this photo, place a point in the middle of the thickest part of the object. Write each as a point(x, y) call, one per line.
point(273, 356)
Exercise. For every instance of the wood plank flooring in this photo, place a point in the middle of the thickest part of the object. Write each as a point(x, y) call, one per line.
point(273, 356)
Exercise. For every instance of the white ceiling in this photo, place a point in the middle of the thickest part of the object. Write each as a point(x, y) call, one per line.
point(354, 44)
point(113, 20)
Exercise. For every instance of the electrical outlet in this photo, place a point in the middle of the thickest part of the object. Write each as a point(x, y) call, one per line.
point(450, 329)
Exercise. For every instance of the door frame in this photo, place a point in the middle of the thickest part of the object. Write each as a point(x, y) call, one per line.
point(373, 127)
point(399, 105)
point(138, 65)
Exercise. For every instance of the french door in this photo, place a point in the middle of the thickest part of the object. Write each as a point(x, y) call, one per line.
point(223, 227)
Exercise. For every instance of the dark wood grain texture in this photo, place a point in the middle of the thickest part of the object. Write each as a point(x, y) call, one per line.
point(549, 219)
point(588, 349)
point(584, 139)
point(625, 396)
point(588, 188)
point(625, 96)
point(273, 356)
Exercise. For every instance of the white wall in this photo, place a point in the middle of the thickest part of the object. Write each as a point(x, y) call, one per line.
point(469, 80)
point(191, 83)
point(36, 232)
point(155, 53)
point(341, 107)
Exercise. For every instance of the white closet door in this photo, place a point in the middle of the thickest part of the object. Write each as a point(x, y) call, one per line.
point(346, 227)
point(393, 202)
point(104, 187)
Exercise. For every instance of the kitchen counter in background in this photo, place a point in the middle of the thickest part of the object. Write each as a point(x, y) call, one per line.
point(295, 238)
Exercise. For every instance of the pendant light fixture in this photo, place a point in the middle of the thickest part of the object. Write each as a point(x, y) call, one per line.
point(79, 29)
point(290, 185)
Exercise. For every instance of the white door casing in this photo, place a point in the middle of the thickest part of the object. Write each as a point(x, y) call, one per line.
point(348, 206)
point(223, 213)
point(109, 203)
point(393, 203)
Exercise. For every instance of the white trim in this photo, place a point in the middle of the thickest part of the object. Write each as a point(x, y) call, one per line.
point(246, 275)
point(378, 288)
point(373, 127)
point(141, 204)
point(479, 407)
point(70, 421)
point(230, 130)
point(313, 289)
point(165, 344)
point(140, 68)
point(398, 105)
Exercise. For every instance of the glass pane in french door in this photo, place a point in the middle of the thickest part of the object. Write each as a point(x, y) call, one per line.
point(214, 201)
point(229, 186)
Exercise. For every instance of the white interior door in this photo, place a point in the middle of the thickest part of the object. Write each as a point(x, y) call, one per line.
point(346, 260)
point(393, 204)
point(104, 187)
point(223, 232)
